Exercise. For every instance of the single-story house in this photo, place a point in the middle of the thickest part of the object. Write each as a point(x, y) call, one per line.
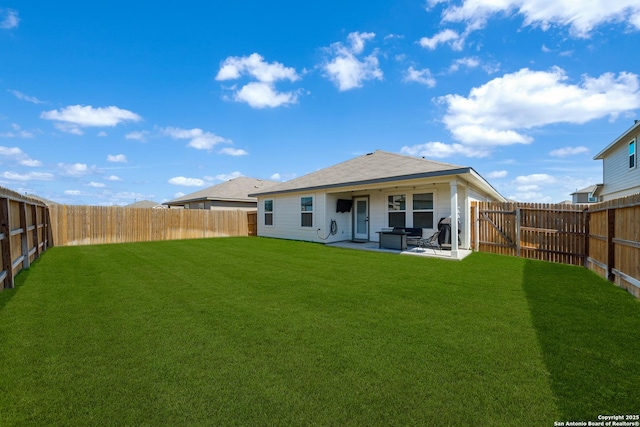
point(585, 195)
point(146, 204)
point(620, 172)
point(356, 199)
point(232, 194)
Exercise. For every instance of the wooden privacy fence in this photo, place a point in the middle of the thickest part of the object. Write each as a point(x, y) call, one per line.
point(86, 225)
point(614, 242)
point(24, 234)
point(603, 237)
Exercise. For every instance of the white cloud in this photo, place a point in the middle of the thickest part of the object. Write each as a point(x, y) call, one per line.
point(24, 97)
point(536, 178)
point(138, 135)
point(72, 118)
point(282, 177)
point(9, 19)
point(455, 40)
point(30, 163)
point(224, 176)
point(467, 62)
point(345, 69)
point(102, 134)
point(497, 174)
point(178, 194)
point(581, 18)
point(233, 151)
point(199, 139)
point(260, 94)
point(31, 176)
point(76, 169)
point(15, 154)
point(496, 113)
point(117, 158)
point(568, 151)
point(113, 178)
point(441, 150)
point(16, 133)
point(73, 192)
point(255, 66)
point(420, 76)
point(187, 182)
point(356, 40)
point(96, 184)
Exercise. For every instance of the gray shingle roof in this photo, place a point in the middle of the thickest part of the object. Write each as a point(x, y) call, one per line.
point(379, 166)
point(236, 190)
point(144, 204)
point(589, 189)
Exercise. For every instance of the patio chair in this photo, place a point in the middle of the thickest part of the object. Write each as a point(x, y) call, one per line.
point(430, 242)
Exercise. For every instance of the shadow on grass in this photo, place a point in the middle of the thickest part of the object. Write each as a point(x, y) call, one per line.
point(589, 333)
point(8, 293)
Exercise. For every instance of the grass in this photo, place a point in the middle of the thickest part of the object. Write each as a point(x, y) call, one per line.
point(250, 331)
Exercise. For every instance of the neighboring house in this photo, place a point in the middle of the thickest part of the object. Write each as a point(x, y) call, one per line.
point(586, 195)
point(620, 172)
point(361, 196)
point(232, 194)
point(146, 204)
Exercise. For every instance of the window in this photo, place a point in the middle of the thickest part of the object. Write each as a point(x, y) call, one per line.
point(397, 208)
point(268, 212)
point(592, 198)
point(306, 205)
point(632, 154)
point(423, 210)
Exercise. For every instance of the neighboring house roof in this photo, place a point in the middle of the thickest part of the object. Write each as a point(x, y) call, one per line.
point(234, 190)
point(145, 204)
point(589, 189)
point(623, 137)
point(17, 196)
point(373, 168)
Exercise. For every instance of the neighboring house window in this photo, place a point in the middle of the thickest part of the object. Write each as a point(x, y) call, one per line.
point(397, 210)
point(201, 205)
point(187, 206)
point(592, 199)
point(306, 205)
point(268, 212)
point(423, 210)
point(632, 154)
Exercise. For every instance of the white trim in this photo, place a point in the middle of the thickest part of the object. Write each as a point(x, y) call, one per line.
point(312, 212)
point(272, 211)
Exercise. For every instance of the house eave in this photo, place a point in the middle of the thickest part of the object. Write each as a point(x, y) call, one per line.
point(435, 174)
point(622, 137)
point(209, 199)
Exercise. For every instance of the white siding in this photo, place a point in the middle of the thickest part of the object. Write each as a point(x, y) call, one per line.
point(287, 217)
point(343, 219)
point(287, 212)
point(379, 214)
point(619, 179)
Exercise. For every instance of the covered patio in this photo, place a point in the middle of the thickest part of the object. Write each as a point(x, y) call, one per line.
point(411, 250)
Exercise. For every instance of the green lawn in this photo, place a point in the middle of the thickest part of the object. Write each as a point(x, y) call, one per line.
point(251, 331)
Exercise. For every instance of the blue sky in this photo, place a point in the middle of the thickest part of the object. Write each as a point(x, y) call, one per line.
point(112, 102)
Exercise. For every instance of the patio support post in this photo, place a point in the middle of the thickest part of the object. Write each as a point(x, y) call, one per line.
point(454, 218)
point(466, 227)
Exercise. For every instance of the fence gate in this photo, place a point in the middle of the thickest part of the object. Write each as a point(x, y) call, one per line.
point(556, 233)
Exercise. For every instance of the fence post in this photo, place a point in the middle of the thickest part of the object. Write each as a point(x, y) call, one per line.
point(24, 240)
point(587, 232)
point(518, 221)
point(6, 243)
point(611, 250)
